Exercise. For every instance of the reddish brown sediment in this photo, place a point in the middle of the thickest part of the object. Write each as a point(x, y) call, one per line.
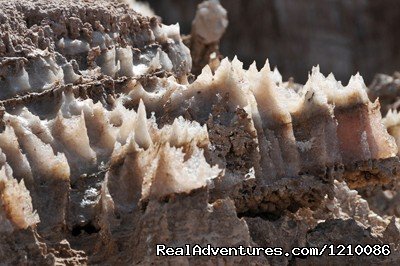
point(367, 150)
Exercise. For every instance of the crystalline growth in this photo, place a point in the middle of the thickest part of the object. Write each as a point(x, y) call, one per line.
point(260, 127)
point(110, 145)
point(47, 43)
point(16, 204)
point(367, 147)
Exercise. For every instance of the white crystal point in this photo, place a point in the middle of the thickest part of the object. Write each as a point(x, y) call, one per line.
point(142, 135)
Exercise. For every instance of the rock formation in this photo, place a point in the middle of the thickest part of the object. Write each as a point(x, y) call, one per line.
point(110, 146)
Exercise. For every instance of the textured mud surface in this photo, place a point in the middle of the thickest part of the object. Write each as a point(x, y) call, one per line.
point(110, 144)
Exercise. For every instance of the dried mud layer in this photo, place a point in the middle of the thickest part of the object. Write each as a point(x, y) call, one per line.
point(110, 145)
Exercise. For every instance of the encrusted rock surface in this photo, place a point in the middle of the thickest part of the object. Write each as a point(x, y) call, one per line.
point(387, 88)
point(109, 146)
point(343, 37)
point(45, 43)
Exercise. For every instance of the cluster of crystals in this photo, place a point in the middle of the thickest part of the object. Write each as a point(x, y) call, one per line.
point(75, 41)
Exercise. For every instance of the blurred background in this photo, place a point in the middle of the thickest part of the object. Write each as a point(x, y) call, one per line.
point(342, 36)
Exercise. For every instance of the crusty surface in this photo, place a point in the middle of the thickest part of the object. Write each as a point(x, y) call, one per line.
point(107, 149)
